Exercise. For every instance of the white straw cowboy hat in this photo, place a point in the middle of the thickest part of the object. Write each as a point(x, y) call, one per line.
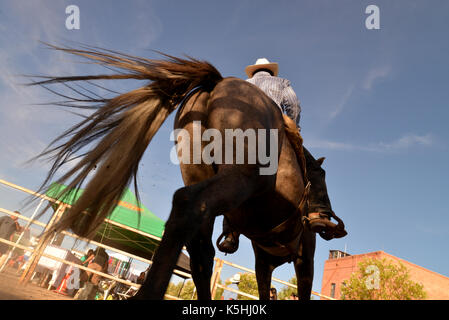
point(262, 63)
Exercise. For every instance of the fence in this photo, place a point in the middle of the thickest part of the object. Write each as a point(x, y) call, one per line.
point(219, 263)
point(38, 251)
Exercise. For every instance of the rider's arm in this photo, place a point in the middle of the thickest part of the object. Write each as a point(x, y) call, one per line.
point(290, 104)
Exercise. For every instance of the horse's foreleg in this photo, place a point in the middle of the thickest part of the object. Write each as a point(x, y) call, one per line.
point(264, 270)
point(304, 266)
point(304, 275)
point(191, 205)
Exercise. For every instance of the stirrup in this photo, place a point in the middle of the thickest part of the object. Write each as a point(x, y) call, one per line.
point(325, 228)
point(234, 245)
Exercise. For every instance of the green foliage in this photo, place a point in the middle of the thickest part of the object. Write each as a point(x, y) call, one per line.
point(381, 280)
point(185, 292)
point(188, 291)
point(219, 292)
point(173, 289)
point(248, 284)
point(286, 292)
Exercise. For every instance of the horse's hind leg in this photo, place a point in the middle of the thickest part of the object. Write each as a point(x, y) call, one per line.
point(202, 252)
point(191, 206)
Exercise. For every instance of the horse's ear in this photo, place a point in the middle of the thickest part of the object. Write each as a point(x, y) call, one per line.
point(320, 160)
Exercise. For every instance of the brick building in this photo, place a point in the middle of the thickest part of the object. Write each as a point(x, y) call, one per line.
point(341, 265)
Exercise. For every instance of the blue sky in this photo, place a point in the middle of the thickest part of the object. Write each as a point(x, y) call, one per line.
point(374, 102)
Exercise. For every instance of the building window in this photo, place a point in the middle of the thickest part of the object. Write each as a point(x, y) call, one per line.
point(332, 290)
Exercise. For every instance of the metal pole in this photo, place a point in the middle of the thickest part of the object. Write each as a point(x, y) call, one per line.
point(182, 286)
point(193, 294)
point(21, 235)
point(216, 276)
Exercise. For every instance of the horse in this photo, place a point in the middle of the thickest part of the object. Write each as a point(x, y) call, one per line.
point(267, 208)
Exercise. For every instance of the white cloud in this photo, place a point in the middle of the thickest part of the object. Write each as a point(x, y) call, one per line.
point(367, 83)
point(332, 145)
point(374, 75)
point(339, 108)
point(27, 129)
point(407, 141)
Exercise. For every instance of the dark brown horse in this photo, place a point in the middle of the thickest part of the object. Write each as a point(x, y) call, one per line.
point(263, 207)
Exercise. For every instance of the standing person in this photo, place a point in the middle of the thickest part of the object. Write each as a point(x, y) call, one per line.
point(8, 226)
point(99, 262)
point(87, 257)
point(273, 294)
point(233, 284)
point(264, 75)
point(85, 262)
point(141, 278)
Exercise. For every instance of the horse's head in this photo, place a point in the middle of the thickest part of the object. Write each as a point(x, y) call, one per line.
point(318, 199)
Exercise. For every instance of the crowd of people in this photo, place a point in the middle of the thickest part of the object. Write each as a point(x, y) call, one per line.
point(89, 282)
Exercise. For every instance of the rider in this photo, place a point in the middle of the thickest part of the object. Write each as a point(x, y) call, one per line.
point(263, 74)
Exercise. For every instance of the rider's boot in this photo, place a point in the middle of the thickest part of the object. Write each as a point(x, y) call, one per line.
point(231, 242)
point(319, 205)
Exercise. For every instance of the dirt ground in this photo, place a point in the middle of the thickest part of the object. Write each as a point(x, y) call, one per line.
point(11, 289)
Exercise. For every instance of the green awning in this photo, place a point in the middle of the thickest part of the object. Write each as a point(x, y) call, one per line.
point(127, 212)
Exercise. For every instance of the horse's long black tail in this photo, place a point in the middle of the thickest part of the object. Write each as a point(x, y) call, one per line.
point(121, 129)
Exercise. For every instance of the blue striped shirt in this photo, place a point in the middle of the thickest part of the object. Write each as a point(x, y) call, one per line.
point(280, 91)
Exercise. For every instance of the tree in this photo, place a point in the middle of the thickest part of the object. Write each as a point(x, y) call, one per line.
point(218, 292)
point(188, 292)
point(381, 279)
point(173, 289)
point(185, 291)
point(248, 284)
point(287, 291)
